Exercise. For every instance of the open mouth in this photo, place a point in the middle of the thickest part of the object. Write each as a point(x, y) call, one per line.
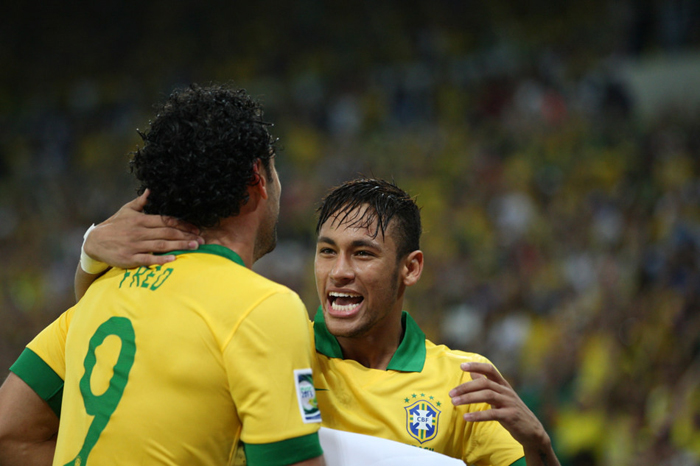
point(344, 302)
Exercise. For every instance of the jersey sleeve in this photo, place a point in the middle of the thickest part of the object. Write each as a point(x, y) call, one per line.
point(488, 443)
point(42, 364)
point(269, 362)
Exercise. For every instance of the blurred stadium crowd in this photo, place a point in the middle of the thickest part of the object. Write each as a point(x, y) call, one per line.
point(561, 231)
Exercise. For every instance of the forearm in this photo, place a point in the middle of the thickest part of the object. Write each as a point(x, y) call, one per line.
point(82, 282)
point(542, 454)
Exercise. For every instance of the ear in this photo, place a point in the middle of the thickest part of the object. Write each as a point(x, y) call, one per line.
point(412, 268)
point(259, 181)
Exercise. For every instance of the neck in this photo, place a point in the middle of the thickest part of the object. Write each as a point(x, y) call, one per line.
point(374, 350)
point(236, 234)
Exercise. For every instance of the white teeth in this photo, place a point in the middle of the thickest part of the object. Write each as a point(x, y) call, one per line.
point(343, 295)
point(334, 295)
point(346, 308)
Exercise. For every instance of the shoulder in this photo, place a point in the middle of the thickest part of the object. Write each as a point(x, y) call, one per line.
point(265, 310)
point(229, 275)
point(451, 356)
point(265, 294)
point(273, 288)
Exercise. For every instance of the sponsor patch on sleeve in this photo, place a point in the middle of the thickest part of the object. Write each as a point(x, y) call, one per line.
point(306, 394)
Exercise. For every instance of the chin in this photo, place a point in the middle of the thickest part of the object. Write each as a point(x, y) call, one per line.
point(343, 329)
point(266, 247)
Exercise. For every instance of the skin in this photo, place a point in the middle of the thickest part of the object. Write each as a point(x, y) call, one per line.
point(28, 426)
point(266, 239)
point(350, 261)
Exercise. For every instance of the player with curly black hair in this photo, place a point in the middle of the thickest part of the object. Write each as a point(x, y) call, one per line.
point(180, 362)
point(200, 153)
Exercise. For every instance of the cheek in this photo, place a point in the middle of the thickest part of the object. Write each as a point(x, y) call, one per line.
point(319, 282)
point(380, 284)
point(320, 270)
point(386, 285)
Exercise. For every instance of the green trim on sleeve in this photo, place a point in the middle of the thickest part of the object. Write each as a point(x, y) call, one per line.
point(283, 453)
point(40, 377)
point(520, 462)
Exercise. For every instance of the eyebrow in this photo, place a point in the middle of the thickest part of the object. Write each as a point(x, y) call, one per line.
point(325, 239)
point(358, 243)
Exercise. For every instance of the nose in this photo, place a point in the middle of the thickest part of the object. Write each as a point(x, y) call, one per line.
point(342, 271)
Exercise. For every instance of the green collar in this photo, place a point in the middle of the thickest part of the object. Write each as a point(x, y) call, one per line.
point(214, 249)
point(409, 357)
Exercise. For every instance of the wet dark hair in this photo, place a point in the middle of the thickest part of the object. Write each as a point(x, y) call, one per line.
point(387, 204)
point(199, 152)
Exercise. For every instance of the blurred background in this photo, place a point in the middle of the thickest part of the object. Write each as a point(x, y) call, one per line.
point(554, 148)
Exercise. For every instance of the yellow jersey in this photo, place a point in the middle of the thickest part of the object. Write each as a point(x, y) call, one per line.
point(408, 402)
point(175, 364)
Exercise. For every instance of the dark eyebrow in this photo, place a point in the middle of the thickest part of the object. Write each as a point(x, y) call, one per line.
point(325, 239)
point(360, 243)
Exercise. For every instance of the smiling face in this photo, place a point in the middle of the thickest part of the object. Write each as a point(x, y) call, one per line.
point(359, 279)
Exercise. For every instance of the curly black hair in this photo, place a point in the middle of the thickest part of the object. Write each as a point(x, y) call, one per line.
point(386, 203)
point(199, 152)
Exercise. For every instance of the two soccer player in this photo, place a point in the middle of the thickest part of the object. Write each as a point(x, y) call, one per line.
point(377, 374)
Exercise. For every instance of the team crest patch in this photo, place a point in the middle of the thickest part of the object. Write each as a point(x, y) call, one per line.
point(306, 394)
point(422, 420)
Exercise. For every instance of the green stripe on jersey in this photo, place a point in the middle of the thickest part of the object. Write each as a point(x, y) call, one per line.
point(40, 377)
point(285, 452)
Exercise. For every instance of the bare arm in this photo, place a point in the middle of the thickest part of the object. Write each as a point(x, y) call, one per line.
point(82, 282)
point(489, 386)
point(28, 426)
point(129, 238)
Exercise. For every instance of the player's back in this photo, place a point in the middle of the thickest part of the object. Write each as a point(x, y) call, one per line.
point(151, 377)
